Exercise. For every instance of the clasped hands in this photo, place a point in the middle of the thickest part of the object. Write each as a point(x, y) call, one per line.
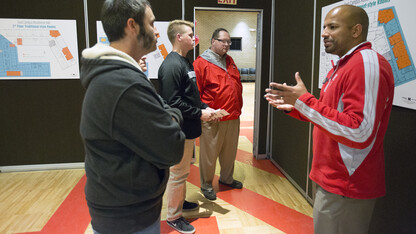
point(208, 115)
point(283, 96)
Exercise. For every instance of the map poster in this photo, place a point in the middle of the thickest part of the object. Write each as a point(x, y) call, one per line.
point(393, 35)
point(153, 59)
point(38, 49)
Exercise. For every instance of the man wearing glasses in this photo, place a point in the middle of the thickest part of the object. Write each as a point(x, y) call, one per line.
point(220, 87)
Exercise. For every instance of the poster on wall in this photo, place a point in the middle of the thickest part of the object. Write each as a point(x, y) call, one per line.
point(393, 35)
point(38, 49)
point(153, 59)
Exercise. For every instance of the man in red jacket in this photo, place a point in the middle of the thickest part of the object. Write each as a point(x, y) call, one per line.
point(220, 87)
point(350, 120)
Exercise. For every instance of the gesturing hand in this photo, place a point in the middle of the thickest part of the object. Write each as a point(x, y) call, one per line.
point(283, 96)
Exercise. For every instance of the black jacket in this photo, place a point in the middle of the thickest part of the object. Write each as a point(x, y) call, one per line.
point(177, 85)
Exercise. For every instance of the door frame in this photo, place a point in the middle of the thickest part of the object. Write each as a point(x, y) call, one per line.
point(258, 91)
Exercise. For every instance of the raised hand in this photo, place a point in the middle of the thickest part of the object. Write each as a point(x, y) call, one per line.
point(283, 96)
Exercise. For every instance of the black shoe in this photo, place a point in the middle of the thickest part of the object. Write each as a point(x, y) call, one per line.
point(209, 193)
point(235, 184)
point(188, 206)
point(181, 225)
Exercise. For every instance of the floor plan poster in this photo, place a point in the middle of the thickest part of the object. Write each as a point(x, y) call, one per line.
point(38, 49)
point(155, 58)
point(393, 35)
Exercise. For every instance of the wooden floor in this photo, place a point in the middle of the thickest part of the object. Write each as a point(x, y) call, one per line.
point(53, 201)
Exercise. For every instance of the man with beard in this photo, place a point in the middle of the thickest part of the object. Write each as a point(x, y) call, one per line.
point(123, 123)
point(350, 120)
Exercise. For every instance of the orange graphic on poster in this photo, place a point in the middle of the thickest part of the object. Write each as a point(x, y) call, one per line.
point(385, 16)
point(400, 53)
point(67, 53)
point(163, 50)
point(54, 33)
point(13, 73)
point(398, 46)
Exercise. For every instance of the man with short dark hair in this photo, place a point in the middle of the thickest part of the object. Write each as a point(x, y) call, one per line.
point(178, 87)
point(131, 137)
point(220, 87)
point(350, 120)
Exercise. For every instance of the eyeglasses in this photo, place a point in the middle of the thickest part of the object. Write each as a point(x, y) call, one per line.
point(224, 41)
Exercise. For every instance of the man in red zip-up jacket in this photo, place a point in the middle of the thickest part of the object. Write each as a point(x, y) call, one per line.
point(220, 87)
point(350, 120)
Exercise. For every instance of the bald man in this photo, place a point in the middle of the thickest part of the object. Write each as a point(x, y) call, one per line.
point(350, 120)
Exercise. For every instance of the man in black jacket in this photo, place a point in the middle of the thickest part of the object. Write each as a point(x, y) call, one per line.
point(178, 87)
point(131, 137)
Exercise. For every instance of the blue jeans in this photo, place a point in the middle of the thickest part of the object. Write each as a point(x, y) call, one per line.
point(152, 229)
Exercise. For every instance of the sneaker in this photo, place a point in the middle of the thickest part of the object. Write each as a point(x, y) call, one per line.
point(181, 225)
point(209, 193)
point(235, 184)
point(188, 206)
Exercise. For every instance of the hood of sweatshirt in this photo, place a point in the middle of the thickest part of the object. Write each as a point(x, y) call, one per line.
point(215, 58)
point(103, 58)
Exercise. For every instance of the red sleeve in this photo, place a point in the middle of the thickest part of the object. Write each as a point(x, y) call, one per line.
point(296, 114)
point(199, 72)
point(352, 113)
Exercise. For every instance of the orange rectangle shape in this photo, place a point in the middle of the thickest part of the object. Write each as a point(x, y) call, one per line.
point(163, 51)
point(67, 53)
point(19, 41)
point(13, 73)
point(54, 33)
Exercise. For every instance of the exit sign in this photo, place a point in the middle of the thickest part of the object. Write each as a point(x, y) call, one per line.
point(228, 2)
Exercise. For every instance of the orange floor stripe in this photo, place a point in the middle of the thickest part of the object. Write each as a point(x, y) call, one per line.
point(265, 165)
point(246, 123)
point(247, 157)
point(72, 216)
point(247, 132)
point(202, 225)
point(265, 209)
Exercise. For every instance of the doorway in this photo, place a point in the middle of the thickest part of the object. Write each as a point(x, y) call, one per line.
point(244, 26)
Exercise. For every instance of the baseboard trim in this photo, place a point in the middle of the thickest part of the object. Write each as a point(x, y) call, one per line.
point(42, 167)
